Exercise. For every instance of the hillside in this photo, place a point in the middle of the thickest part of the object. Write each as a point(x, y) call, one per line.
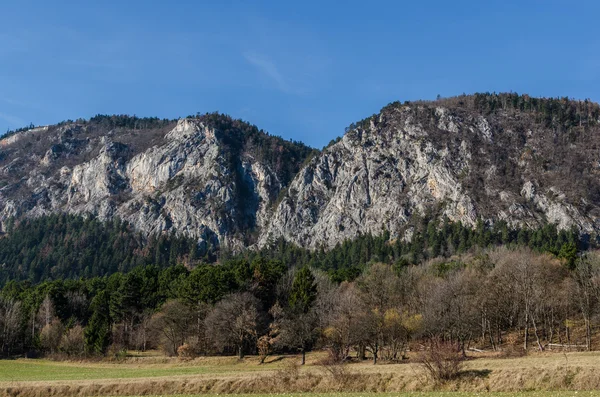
point(522, 160)
point(486, 157)
point(209, 177)
point(462, 219)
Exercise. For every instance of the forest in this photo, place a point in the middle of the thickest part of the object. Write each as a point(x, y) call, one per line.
point(375, 295)
point(61, 246)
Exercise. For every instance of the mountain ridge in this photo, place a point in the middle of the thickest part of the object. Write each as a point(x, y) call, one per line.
point(450, 151)
point(527, 161)
point(186, 176)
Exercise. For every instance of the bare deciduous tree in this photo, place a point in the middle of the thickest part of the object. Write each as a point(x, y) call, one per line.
point(378, 287)
point(51, 336)
point(587, 290)
point(449, 306)
point(172, 325)
point(527, 279)
point(234, 322)
point(73, 342)
point(297, 331)
point(10, 324)
point(343, 328)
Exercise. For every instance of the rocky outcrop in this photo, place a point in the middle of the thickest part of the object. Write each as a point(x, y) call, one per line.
point(228, 184)
point(374, 179)
point(187, 185)
point(433, 161)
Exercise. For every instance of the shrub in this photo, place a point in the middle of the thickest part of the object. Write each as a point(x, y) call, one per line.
point(186, 352)
point(338, 370)
point(443, 361)
point(288, 373)
point(264, 348)
point(117, 352)
point(73, 343)
point(51, 336)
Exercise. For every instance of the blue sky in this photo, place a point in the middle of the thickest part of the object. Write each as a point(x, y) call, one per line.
point(303, 70)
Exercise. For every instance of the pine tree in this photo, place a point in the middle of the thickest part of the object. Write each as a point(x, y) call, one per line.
point(97, 332)
point(304, 291)
point(568, 251)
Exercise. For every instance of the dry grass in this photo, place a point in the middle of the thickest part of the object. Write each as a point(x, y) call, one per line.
point(419, 394)
point(153, 375)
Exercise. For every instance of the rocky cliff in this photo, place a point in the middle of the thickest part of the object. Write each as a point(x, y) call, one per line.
point(489, 157)
point(212, 178)
point(483, 157)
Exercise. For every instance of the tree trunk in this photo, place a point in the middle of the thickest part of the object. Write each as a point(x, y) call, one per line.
point(303, 357)
point(375, 351)
point(463, 347)
point(484, 327)
point(499, 333)
point(361, 351)
point(537, 338)
point(588, 334)
point(526, 329)
point(489, 325)
point(241, 352)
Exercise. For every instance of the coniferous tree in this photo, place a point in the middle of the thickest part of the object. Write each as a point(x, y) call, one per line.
point(304, 291)
point(97, 333)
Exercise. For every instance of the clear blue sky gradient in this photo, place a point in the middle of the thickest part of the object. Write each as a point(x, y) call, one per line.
point(303, 70)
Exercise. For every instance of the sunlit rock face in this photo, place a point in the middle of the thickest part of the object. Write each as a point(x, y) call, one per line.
point(190, 182)
point(228, 184)
point(441, 160)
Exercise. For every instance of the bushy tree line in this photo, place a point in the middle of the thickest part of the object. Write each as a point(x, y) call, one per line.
point(10, 132)
point(121, 310)
point(557, 113)
point(499, 298)
point(89, 287)
point(127, 122)
point(67, 246)
point(563, 112)
point(107, 121)
point(429, 240)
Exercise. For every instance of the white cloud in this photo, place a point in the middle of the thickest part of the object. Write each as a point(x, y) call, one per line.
point(268, 68)
point(14, 102)
point(12, 120)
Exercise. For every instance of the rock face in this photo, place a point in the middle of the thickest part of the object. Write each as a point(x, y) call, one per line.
point(443, 159)
point(494, 158)
point(196, 181)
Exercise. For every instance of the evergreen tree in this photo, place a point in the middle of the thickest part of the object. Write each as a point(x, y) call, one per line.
point(304, 291)
point(568, 252)
point(97, 333)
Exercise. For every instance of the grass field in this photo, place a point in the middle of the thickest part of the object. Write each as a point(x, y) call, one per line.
point(45, 370)
point(548, 374)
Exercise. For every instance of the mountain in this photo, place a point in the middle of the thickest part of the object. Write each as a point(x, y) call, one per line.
point(209, 177)
point(489, 157)
point(484, 157)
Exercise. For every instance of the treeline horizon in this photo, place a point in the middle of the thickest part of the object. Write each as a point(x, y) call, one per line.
point(289, 299)
point(494, 299)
